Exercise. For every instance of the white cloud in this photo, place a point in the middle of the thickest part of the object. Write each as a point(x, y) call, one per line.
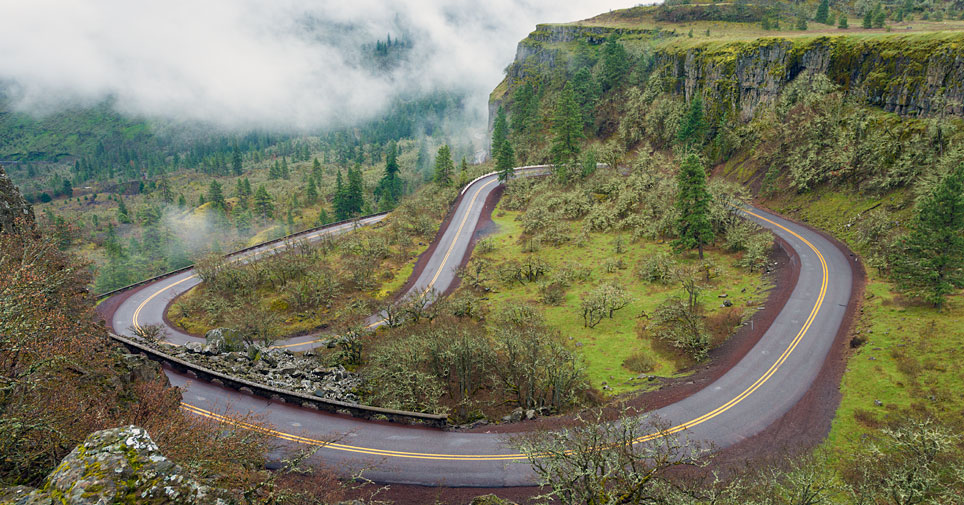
point(258, 63)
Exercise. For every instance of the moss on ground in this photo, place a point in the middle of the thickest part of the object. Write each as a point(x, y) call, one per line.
point(607, 347)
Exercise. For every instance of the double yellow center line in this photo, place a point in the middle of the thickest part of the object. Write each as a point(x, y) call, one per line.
point(518, 456)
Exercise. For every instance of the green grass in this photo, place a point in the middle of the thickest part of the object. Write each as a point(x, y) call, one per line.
point(606, 347)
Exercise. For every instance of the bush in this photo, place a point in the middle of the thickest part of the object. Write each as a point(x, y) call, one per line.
point(681, 325)
point(552, 292)
point(639, 362)
point(757, 252)
point(656, 268)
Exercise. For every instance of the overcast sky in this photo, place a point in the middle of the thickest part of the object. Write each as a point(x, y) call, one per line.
point(258, 63)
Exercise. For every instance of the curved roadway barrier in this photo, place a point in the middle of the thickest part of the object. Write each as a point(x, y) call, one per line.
point(758, 390)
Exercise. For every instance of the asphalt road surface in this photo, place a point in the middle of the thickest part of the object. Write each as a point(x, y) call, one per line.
point(769, 380)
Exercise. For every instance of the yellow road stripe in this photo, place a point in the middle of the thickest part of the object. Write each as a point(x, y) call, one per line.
point(503, 457)
point(431, 283)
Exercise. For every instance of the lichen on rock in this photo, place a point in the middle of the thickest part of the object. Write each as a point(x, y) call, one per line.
point(120, 465)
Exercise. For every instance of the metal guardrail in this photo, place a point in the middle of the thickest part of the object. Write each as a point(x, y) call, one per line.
point(281, 395)
point(235, 253)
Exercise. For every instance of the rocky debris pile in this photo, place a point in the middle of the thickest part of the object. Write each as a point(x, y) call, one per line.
point(278, 368)
point(12, 205)
point(120, 465)
point(521, 414)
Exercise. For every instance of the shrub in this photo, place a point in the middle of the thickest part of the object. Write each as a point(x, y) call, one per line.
point(681, 325)
point(639, 362)
point(656, 268)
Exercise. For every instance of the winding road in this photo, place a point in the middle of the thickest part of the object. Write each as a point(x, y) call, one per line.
point(757, 391)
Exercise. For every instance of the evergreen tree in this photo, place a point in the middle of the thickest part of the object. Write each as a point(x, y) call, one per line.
point(311, 194)
point(879, 17)
point(181, 201)
point(692, 128)
point(247, 187)
point(243, 222)
point(67, 189)
point(283, 171)
point(868, 19)
point(586, 92)
point(236, 160)
point(275, 171)
point(693, 226)
point(122, 215)
point(525, 106)
point(390, 187)
point(843, 24)
point(340, 199)
point(615, 64)
point(216, 197)
point(355, 191)
point(240, 193)
point(263, 203)
point(566, 129)
point(930, 263)
point(501, 148)
point(823, 12)
point(323, 218)
point(444, 167)
point(801, 23)
point(316, 170)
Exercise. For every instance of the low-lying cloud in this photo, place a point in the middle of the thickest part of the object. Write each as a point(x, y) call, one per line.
point(239, 64)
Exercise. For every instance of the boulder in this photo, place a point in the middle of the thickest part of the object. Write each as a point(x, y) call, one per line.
point(120, 465)
point(195, 347)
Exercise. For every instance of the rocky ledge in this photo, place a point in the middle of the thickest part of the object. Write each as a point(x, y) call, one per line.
point(120, 465)
point(277, 368)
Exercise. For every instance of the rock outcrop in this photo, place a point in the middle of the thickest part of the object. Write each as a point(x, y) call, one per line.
point(277, 368)
point(121, 465)
point(13, 207)
point(911, 75)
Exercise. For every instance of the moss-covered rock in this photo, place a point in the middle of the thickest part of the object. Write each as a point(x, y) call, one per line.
point(116, 466)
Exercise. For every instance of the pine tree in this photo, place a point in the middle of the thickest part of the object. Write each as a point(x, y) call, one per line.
point(216, 197)
point(311, 194)
point(390, 186)
point(122, 215)
point(823, 12)
point(693, 226)
point(879, 17)
point(586, 92)
point(243, 222)
point(275, 171)
point(615, 64)
point(868, 19)
point(263, 203)
point(240, 193)
point(284, 169)
point(340, 199)
point(236, 160)
point(355, 191)
point(930, 263)
point(323, 218)
point(843, 24)
point(801, 23)
point(566, 129)
point(444, 167)
point(524, 104)
point(67, 189)
point(181, 201)
point(316, 170)
point(693, 127)
point(501, 148)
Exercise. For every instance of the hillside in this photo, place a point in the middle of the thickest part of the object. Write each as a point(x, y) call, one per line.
point(849, 129)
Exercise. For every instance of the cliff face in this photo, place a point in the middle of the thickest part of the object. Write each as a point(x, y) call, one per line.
point(910, 76)
point(915, 75)
point(12, 205)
